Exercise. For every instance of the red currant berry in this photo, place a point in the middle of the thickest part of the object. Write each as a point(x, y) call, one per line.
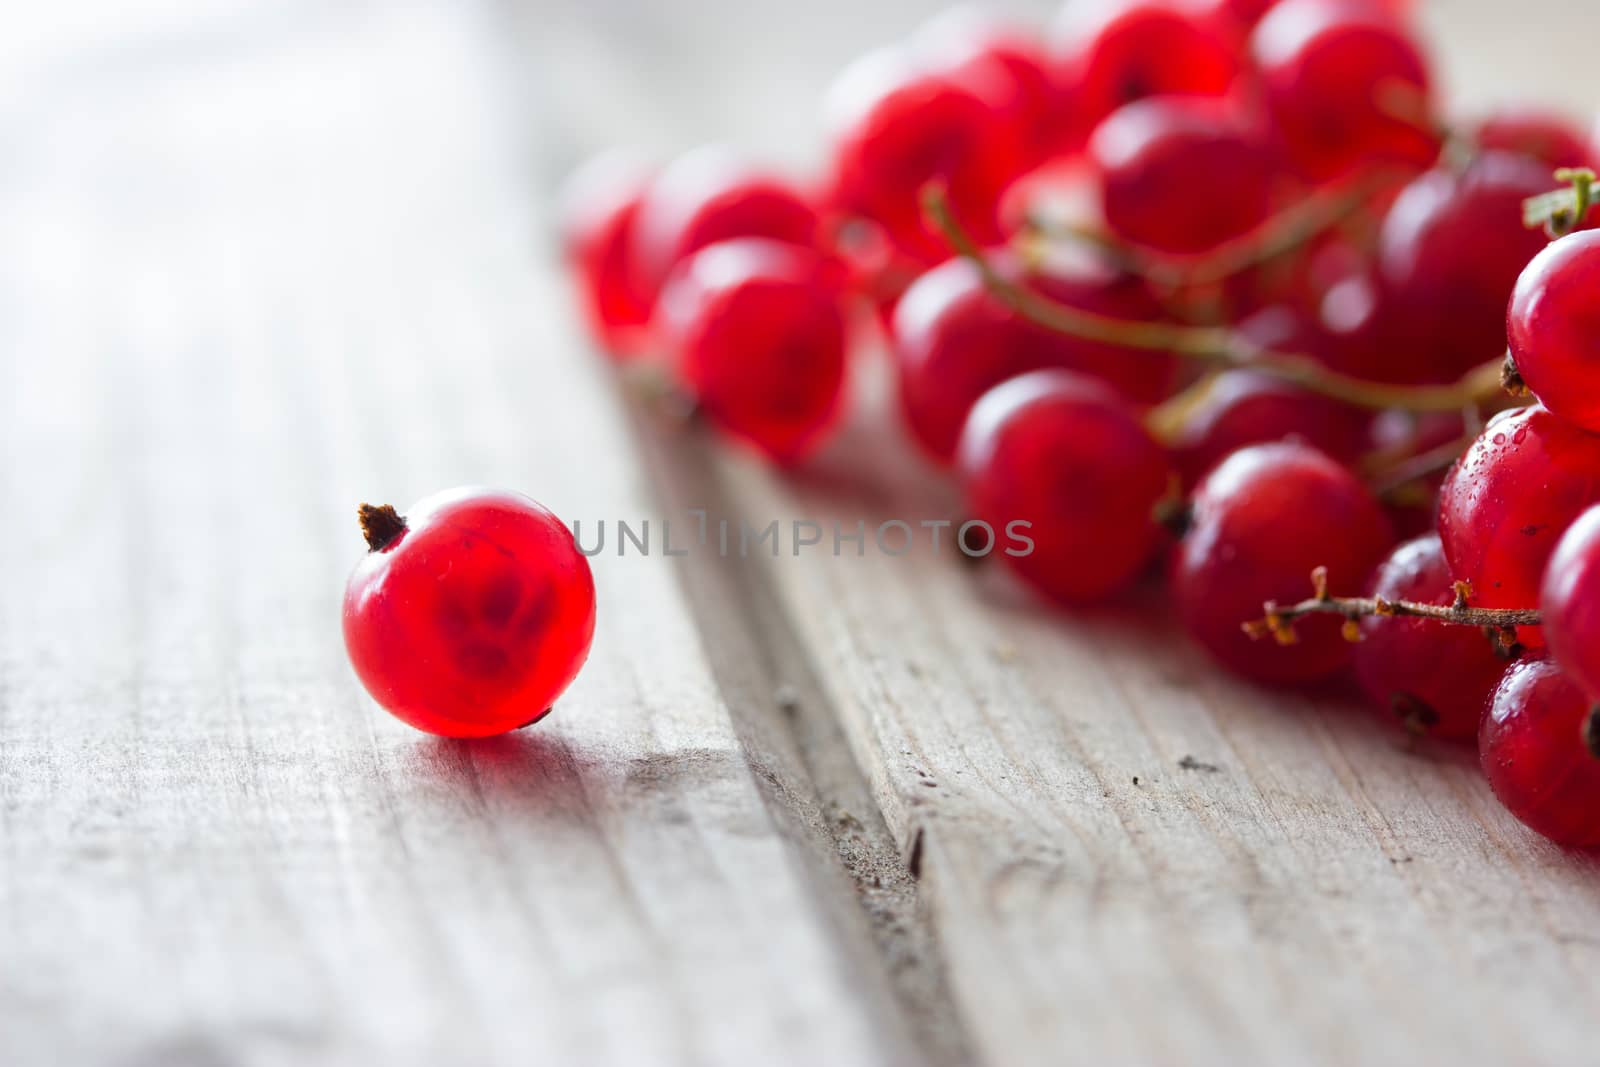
point(471, 614)
point(1435, 677)
point(1540, 747)
point(758, 338)
point(1335, 74)
point(1116, 52)
point(1161, 156)
point(1141, 376)
point(898, 127)
point(1507, 502)
point(1059, 451)
point(1451, 249)
point(954, 340)
point(710, 195)
point(1548, 138)
point(1245, 14)
point(1242, 14)
point(1007, 64)
point(1570, 602)
point(1554, 327)
point(1263, 520)
point(1244, 407)
point(1368, 334)
point(598, 208)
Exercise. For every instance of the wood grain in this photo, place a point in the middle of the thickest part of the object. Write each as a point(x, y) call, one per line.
point(1124, 856)
point(262, 260)
point(248, 294)
point(1127, 855)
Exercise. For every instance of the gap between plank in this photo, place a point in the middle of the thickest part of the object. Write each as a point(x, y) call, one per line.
point(795, 742)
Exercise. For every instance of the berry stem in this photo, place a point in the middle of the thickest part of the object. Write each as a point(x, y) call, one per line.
point(1278, 620)
point(1215, 345)
point(1279, 235)
point(380, 525)
point(1561, 212)
point(1388, 480)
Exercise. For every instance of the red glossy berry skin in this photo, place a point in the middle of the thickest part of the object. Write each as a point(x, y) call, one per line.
point(1429, 676)
point(1009, 67)
point(897, 126)
point(1543, 136)
point(1569, 598)
point(1061, 451)
point(758, 339)
point(1242, 14)
point(953, 341)
point(475, 619)
point(1245, 14)
point(1263, 520)
point(710, 195)
point(599, 206)
point(1161, 157)
point(1533, 749)
point(1509, 499)
point(1320, 61)
point(1114, 52)
point(1245, 408)
point(1554, 327)
point(1451, 249)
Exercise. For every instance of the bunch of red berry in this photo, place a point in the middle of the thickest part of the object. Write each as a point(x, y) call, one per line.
point(1211, 281)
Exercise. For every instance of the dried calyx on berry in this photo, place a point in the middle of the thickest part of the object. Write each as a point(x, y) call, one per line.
point(380, 525)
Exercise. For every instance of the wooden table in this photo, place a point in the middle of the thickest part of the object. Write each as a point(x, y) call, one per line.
point(260, 261)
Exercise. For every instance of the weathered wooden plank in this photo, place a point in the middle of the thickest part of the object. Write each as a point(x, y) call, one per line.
point(246, 288)
point(1128, 858)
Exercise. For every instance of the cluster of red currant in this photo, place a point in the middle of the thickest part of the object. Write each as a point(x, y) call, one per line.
point(1207, 279)
point(1213, 283)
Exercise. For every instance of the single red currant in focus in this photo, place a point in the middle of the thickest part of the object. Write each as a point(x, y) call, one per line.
point(1263, 520)
point(599, 206)
point(1116, 52)
point(709, 195)
point(1554, 327)
point(1059, 451)
point(1434, 677)
point(758, 338)
point(1337, 76)
point(1161, 157)
point(471, 613)
point(1509, 499)
point(1451, 249)
point(1570, 602)
point(1543, 136)
point(1540, 747)
point(1007, 65)
point(1244, 407)
point(954, 340)
point(898, 126)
